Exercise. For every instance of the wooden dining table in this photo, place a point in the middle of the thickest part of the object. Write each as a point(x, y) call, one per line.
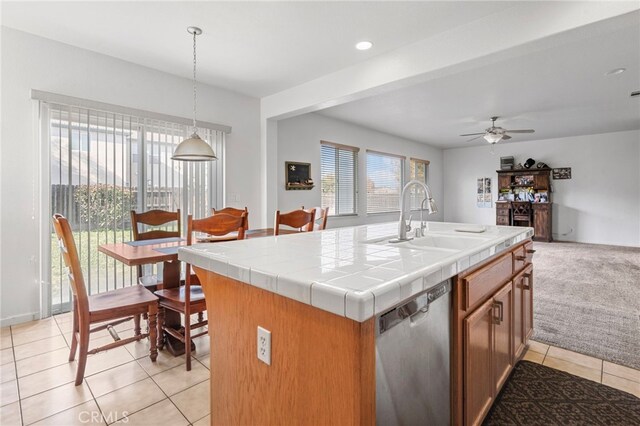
point(165, 251)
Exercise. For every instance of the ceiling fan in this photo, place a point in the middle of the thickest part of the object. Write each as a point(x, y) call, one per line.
point(495, 134)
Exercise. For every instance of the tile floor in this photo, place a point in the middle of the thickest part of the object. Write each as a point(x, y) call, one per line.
point(123, 385)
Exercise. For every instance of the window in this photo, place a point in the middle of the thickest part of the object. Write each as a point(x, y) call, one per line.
point(104, 164)
point(338, 178)
point(385, 177)
point(418, 171)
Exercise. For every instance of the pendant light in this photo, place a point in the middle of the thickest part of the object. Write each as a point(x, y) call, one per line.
point(194, 148)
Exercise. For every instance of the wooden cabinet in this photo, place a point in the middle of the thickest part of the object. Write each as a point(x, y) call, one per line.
point(492, 321)
point(478, 382)
point(502, 336)
point(522, 310)
point(510, 211)
point(488, 353)
point(542, 221)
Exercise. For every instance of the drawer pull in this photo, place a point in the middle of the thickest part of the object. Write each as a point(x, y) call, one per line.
point(523, 258)
point(527, 286)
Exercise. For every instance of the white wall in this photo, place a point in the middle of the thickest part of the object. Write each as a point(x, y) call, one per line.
point(600, 204)
point(299, 140)
point(30, 62)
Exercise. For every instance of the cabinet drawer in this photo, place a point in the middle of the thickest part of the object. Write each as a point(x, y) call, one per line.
point(502, 220)
point(481, 283)
point(502, 212)
point(522, 256)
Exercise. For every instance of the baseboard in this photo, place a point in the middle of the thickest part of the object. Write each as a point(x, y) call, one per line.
point(18, 319)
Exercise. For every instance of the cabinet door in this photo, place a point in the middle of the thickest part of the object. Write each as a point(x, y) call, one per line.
point(519, 339)
point(478, 377)
point(503, 335)
point(527, 303)
point(542, 221)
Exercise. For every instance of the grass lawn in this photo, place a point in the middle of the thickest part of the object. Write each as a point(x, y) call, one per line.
point(101, 273)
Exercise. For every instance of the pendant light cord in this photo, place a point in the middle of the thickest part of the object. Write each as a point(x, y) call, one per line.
point(195, 97)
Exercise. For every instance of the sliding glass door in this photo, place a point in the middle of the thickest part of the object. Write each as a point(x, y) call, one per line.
point(102, 166)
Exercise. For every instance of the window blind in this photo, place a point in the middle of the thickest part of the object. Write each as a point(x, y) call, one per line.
point(418, 171)
point(338, 178)
point(385, 177)
point(103, 165)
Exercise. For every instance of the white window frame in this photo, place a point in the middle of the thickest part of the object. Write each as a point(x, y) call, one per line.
point(402, 159)
point(426, 177)
point(340, 147)
point(42, 182)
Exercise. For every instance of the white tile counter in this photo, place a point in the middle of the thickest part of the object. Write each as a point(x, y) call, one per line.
point(353, 271)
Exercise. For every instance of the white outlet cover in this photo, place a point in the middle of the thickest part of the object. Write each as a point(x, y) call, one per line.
point(264, 345)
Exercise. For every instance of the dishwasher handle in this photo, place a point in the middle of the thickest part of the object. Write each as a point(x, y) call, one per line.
point(415, 309)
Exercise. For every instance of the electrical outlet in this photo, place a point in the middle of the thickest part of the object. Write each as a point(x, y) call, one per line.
point(264, 345)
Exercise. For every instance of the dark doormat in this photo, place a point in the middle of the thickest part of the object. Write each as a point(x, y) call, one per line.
point(539, 395)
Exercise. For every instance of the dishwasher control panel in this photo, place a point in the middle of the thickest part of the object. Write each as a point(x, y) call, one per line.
point(419, 304)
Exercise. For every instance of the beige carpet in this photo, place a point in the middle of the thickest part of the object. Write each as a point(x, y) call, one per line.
point(587, 299)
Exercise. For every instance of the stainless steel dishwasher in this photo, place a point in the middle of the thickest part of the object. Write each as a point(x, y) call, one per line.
point(413, 343)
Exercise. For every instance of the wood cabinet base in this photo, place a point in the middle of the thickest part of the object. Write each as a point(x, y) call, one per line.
point(322, 366)
point(492, 321)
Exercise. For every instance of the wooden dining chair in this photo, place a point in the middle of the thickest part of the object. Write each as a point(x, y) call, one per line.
point(189, 299)
point(117, 306)
point(298, 219)
point(154, 218)
point(234, 212)
point(320, 220)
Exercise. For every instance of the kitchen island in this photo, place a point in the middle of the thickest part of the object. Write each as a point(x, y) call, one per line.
point(321, 296)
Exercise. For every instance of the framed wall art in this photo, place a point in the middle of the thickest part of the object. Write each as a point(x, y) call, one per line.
point(298, 175)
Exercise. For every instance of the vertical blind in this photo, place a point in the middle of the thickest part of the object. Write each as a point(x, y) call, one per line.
point(105, 164)
point(338, 178)
point(418, 171)
point(385, 177)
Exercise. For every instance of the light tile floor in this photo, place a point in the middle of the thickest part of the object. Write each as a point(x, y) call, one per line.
point(123, 386)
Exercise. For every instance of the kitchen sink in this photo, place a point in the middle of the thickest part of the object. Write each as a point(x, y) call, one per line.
point(445, 242)
point(433, 242)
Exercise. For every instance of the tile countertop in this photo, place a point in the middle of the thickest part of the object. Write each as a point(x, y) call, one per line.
point(350, 271)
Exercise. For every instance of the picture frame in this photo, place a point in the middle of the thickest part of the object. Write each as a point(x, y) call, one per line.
point(562, 173)
point(298, 176)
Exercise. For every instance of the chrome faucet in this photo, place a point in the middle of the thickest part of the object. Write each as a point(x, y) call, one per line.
point(403, 226)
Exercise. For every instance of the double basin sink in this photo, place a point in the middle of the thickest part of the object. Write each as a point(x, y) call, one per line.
point(444, 241)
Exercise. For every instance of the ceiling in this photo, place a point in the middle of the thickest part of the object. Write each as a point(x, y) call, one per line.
point(255, 48)
point(558, 91)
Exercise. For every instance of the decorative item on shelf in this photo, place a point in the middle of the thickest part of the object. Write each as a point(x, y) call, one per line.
point(523, 180)
point(530, 162)
point(562, 173)
point(298, 175)
point(519, 166)
point(542, 165)
point(544, 197)
point(194, 148)
point(506, 163)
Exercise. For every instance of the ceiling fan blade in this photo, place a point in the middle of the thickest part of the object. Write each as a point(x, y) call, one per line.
point(473, 139)
point(473, 134)
point(505, 137)
point(520, 131)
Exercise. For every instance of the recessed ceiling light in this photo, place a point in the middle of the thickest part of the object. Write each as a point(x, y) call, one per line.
point(364, 45)
point(615, 71)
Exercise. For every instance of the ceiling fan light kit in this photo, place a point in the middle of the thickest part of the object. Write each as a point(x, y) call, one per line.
point(492, 137)
point(495, 134)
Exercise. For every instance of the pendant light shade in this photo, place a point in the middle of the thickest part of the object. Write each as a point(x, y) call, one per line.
point(194, 148)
